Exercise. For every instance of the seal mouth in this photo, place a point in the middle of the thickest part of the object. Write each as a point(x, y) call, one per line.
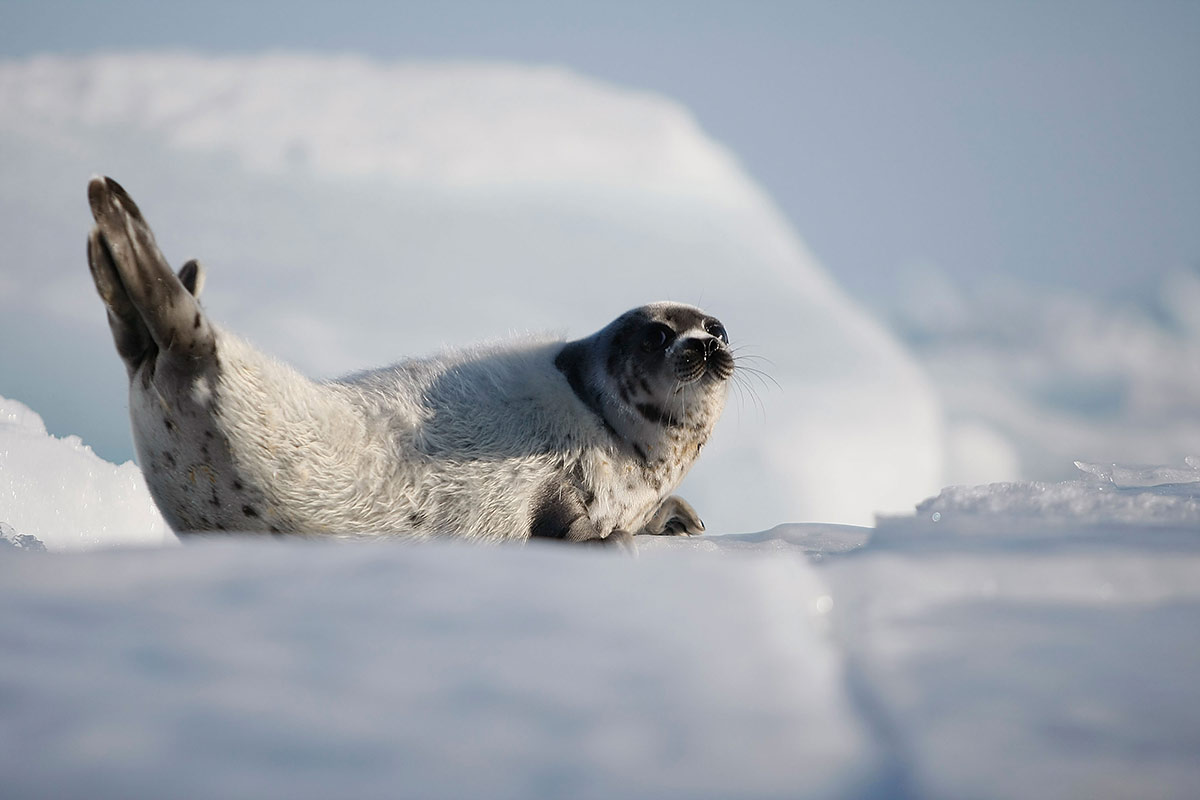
point(698, 359)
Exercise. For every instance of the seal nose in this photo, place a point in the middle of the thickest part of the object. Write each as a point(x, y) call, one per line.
point(694, 349)
point(691, 360)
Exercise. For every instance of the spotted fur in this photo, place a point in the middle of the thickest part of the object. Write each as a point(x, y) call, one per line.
point(583, 441)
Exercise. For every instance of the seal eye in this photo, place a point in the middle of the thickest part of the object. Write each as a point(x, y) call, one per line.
point(716, 329)
point(658, 336)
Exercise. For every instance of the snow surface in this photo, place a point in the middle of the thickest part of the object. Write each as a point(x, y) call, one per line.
point(1014, 640)
point(351, 213)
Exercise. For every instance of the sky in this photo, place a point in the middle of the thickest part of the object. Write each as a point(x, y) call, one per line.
point(1046, 143)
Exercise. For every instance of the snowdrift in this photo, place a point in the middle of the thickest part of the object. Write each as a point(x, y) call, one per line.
point(66, 497)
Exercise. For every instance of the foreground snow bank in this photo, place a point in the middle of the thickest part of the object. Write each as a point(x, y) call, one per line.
point(374, 670)
point(1013, 640)
point(1035, 639)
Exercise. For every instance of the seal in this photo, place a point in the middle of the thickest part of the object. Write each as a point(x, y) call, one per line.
point(582, 441)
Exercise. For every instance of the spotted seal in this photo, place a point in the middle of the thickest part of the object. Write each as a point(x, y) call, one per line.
point(582, 440)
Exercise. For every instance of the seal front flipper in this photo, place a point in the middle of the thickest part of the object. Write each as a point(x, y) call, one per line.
point(675, 517)
point(559, 513)
point(151, 311)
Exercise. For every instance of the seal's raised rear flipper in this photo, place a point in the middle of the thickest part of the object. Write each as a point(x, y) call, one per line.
point(191, 275)
point(150, 309)
point(129, 332)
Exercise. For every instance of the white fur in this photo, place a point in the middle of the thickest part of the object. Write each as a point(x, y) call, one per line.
point(353, 456)
point(489, 442)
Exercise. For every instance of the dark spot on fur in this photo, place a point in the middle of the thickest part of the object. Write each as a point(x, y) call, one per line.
point(237, 485)
point(417, 519)
point(554, 511)
point(273, 529)
point(208, 434)
point(646, 386)
point(169, 425)
point(656, 414)
point(196, 321)
point(249, 511)
point(650, 411)
point(168, 459)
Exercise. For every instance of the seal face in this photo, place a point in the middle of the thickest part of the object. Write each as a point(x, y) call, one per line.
point(581, 440)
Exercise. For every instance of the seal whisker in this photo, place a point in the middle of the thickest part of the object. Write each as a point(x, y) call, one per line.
point(741, 357)
point(762, 376)
point(741, 381)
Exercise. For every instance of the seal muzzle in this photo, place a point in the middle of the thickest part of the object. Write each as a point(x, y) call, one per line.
point(697, 358)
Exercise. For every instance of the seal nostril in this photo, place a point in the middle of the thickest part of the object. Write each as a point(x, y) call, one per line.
point(693, 350)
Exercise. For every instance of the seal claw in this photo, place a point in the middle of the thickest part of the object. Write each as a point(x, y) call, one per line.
point(675, 517)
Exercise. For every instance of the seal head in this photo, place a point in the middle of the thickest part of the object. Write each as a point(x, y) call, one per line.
point(654, 370)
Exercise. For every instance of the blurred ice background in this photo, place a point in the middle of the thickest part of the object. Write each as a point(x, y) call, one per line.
point(353, 212)
point(1010, 191)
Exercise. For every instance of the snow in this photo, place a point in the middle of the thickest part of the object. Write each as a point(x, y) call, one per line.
point(353, 212)
point(1114, 493)
point(1012, 640)
point(261, 670)
point(1127, 477)
point(64, 495)
point(1037, 670)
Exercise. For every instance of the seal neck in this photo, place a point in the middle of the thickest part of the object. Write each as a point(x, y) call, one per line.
point(573, 361)
point(637, 428)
